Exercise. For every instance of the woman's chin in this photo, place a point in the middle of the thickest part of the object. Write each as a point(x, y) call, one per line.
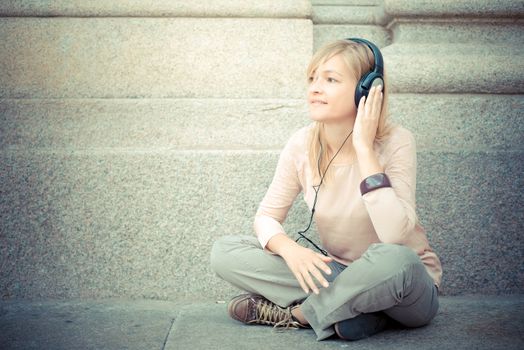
point(325, 120)
point(317, 118)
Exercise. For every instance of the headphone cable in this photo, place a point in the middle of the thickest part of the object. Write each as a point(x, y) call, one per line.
point(316, 188)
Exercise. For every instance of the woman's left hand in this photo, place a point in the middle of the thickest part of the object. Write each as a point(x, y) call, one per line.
point(366, 122)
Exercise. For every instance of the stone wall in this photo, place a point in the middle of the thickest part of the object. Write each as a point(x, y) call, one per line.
point(133, 135)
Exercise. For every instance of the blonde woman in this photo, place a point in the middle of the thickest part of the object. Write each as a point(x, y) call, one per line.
point(357, 173)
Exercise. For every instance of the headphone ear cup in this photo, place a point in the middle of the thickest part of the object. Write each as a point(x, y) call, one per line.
point(358, 93)
point(365, 83)
point(361, 89)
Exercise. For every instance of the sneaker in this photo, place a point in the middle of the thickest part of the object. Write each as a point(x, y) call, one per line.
point(255, 309)
point(362, 326)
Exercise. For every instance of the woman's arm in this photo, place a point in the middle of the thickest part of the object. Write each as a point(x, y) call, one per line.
point(283, 190)
point(303, 262)
point(391, 209)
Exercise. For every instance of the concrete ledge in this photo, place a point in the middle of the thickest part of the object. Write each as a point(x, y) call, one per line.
point(86, 324)
point(158, 8)
point(472, 322)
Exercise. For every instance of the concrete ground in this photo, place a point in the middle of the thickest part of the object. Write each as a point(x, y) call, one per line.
point(466, 322)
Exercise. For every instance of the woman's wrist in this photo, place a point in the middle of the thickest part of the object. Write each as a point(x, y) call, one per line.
point(368, 162)
point(363, 150)
point(280, 244)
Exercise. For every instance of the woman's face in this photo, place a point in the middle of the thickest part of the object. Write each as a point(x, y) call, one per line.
point(331, 92)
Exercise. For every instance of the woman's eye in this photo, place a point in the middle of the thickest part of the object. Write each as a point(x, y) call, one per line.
point(310, 79)
point(331, 80)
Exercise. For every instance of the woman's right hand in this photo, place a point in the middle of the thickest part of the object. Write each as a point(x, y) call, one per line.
point(307, 266)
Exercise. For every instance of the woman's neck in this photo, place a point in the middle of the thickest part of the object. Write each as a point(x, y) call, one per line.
point(335, 134)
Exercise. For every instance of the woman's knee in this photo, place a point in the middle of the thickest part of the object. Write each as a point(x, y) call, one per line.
point(219, 253)
point(395, 256)
point(225, 251)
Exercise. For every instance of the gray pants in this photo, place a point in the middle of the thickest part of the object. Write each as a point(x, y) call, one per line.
point(386, 277)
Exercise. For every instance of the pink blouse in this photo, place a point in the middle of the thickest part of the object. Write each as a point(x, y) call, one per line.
point(348, 222)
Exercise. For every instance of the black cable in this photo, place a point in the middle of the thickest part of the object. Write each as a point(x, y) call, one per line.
point(316, 188)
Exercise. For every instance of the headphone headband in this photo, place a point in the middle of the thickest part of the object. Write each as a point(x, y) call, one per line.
point(379, 62)
point(373, 77)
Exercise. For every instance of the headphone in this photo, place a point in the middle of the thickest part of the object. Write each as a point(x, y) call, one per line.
point(373, 77)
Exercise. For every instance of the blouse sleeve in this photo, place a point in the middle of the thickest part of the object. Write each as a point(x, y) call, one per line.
point(280, 196)
point(392, 209)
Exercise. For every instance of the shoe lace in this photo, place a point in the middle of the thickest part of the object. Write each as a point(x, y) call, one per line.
point(271, 314)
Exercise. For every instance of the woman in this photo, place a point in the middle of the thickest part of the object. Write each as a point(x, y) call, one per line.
point(358, 176)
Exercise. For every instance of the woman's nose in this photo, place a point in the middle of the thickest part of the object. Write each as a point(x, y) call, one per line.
point(315, 86)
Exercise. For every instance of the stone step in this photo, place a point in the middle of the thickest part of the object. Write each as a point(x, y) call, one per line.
point(103, 223)
point(158, 8)
point(149, 58)
point(440, 122)
point(454, 8)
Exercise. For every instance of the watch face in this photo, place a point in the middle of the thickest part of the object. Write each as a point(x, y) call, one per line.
point(374, 180)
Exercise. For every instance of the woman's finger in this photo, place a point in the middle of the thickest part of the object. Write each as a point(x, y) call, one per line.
point(318, 276)
point(370, 101)
point(361, 104)
point(377, 103)
point(300, 280)
point(309, 281)
point(321, 264)
point(325, 258)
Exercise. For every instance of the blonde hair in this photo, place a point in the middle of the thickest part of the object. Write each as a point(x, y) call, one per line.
point(359, 59)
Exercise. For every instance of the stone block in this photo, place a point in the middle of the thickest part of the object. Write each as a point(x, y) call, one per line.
point(139, 223)
point(440, 122)
point(324, 33)
point(150, 58)
point(157, 8)
point(470, 204)
point(94, 224)
point(345, 2)
point(150, 123)
point(454, 68)
point(454, 8)
point(468, 32)
point(349, 15)
point(452, 123)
